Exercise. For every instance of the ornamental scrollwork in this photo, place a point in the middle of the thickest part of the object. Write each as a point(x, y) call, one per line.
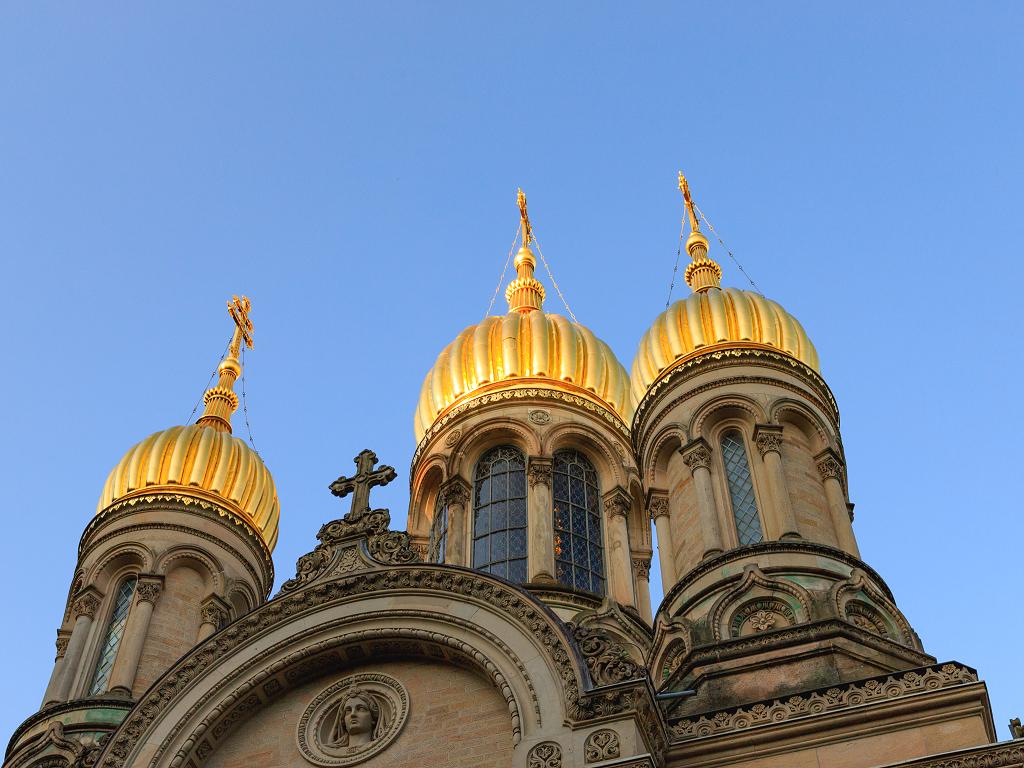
point(642, 567)
point(601, 745)
point(607, 660)
point(394, 548)
point(768, 439)
point(455, 492)
point(547, 754)
point(62, 645)
point(830, 468)
point(617, 503)
point(86, 605)
point(658, 507)
point(538, 471)
point(148, 591)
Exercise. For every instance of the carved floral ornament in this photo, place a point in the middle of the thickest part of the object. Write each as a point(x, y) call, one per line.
point(353, 720)
point(538, 472)
point(148, 591)
point(768, 439)
point(697, 455)
point(601, 745)
point(547, 754)
point(86, 605)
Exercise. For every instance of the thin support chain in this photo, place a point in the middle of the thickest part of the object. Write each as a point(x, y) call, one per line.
point(734, 259)
point(245, 408)
point(504, 269)
point(552, 278)
point(675, 269)
point(208, 383)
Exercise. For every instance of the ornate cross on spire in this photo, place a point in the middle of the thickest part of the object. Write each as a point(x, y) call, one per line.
point(221, 401)
point(684, 187)
point(239, 309)
point(524, 218)
point(366, 477)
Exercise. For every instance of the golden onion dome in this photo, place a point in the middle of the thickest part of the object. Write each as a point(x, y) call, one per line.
point(203, 460)
point(717, 318)
point(714, 318)
point(525, 348)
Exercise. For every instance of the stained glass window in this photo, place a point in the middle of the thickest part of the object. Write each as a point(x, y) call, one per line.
point(579, 548)
point(111, 641)
point(499, 514)
point(438, 531)
point(741, 489)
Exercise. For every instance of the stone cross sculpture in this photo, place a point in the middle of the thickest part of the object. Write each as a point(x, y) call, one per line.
point(359, 485)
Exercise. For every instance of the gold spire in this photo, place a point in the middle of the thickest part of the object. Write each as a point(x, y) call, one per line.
point(701, 273)
point(221, 401)
point(525, 293)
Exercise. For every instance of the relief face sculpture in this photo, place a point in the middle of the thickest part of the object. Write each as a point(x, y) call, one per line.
point(357, 722)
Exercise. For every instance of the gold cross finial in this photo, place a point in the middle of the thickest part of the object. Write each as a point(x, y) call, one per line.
point(527, 229)
point(684, 187)
point(239, 309)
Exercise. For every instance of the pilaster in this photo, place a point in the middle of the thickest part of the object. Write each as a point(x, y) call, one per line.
point(541, 563)
point(830, 466)
point(768, 439)
point(455, 495)
point(617, 504)
point(697, 456)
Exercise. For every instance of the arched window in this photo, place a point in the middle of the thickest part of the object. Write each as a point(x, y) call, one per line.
point(438, 531)
point(499, 514)
point(112, 639)
point(741, 488)
point(579, 548)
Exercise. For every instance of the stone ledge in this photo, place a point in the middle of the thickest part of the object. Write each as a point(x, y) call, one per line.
point(1007, 754)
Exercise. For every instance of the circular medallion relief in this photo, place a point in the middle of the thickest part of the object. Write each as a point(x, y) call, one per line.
point(353, 720)
point(540, 417)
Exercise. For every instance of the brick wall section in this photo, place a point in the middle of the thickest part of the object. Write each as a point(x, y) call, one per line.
point(806, 492)
point(456, 720)
point(174, 626)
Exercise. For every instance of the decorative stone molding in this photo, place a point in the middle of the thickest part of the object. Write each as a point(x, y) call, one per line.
point(63, 638)
point(148, 589)
point(453, 437)
point(607, 660)
point(547, 754)
point(822, 700)
point(768, 438)
point(540, 417)
point(214, 611)
point(617, 502)
point(86, 603)
point(657, 504)
point(538, 471)
point(324, 736)
point(642, 567)
point(1004, 755)
point(601, 745)
point(454, 491)
point(830, 466)
point(697, 455)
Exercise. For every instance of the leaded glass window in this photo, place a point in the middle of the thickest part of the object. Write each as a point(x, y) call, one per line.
point(741, 489)
point(438, 531)
point(579, 548)
point(111, 641)
point(499, 514)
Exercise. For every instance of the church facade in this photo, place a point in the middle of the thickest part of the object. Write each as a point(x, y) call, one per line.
point(512, 623)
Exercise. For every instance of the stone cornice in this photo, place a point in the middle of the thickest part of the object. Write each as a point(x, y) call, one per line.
point(1007, 754)
point(185, 505)
point(519, 393)
point(859, 693)
point(643, 429)
point(770, 547)
point(64, 707)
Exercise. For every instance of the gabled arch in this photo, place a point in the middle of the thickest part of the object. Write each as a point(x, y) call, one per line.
point(753, 586)
point(858, 590)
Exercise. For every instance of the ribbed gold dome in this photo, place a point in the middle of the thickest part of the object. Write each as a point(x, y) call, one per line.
point(199, 461)
point(524, 349)
point(717, 318)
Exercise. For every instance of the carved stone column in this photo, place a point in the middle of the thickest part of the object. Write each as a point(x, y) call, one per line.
point(541, 565)
point(455, 496)
point(642, 583)
point(657, 508)
point(620, 570)
point(214, 612)
point(58, 664)
point(768, 439)
point(697, 456)
point(122, 675)
point(831, 468)
point(84, 609)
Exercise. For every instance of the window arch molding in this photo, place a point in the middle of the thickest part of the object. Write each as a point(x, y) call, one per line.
point(744, 429)
point(102, 625)
point(578, 521)
point(115, 561)
point(599, 451)
point(500, 514)
point(485, 436)
point(426, 488)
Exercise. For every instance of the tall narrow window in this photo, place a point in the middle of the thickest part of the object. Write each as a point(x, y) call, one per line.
point(579, 549)
point(741, 489)
point(438, 531)
point(111, 641)
point(499, 514)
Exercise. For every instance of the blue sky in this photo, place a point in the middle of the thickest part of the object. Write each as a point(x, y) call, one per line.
point(353, 167)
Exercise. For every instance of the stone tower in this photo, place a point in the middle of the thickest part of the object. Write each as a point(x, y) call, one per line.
point(524, 466)
point(737, 438)
point(180, 546)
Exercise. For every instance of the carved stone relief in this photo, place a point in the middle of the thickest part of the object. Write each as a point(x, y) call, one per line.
point(761, 615)
point(547, 754)
point(539, 416)
point(353, 719)
point(601, 745)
